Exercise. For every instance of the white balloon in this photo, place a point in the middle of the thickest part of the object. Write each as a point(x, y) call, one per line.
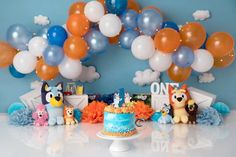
point(24, 62)
point(143, 47)
point(110, 25)
point(69, 68)
point(203, 60)
point(160, 61)
point(94, 11)
point(37, 45)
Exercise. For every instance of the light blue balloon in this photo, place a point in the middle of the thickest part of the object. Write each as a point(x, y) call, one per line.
point(127, 38)
point(18, 36)
point(116, 6)
point(43, 32)
point(183, 57)
point(96, 40)
point(129, 19)
point(15, 73)
point(53, 55)
point(149, 22)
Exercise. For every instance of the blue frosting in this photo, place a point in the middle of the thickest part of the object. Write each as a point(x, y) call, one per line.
point(123, 122)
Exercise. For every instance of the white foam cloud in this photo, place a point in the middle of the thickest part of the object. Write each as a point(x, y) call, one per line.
point(89, 74)
point(41, 20)
point(206, 78)
point(146, 77)
point(201, 15)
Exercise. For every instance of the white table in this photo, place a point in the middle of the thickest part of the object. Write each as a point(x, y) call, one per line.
point(81, 141)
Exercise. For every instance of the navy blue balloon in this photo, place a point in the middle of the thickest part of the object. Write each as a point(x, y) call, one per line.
point(204, 44)
point(96, 40)
point(170, 24)
point(43, 32)
point(57, 35)
point(53, 55)
point(127, 38)
point(116, 6)
point(87, 58)
point(183, 57)
point(15, 73)
point(129, 19)
point(149, 22)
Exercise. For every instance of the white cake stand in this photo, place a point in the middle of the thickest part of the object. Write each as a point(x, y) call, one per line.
point(119, 144)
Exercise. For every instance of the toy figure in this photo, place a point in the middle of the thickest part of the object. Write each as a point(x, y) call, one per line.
point(178, 100)
point(127, 98)
point(165, 117)
point(40, 116)
point(192, 109)
point(117, 99)
point(52, 97)
point(69, 115)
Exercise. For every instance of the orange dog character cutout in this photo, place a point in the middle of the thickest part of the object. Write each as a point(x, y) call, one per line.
point(69, 115)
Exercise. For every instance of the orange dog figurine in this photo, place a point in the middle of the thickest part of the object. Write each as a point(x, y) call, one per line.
point(69, 115)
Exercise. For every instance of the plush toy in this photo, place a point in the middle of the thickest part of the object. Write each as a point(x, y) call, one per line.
point(192, 109)
point(52, 97)
point(178, 100)
point(165, 117)
point(69, 115)
point(40, 116)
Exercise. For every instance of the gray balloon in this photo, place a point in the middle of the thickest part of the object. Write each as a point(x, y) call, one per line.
point(18, 36)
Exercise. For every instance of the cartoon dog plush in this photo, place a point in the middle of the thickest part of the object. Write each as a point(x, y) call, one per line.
point(192, 109)
point(52, 97)
point(178, 100)
point(165, 117)
point(69, 115)
point(40, 116)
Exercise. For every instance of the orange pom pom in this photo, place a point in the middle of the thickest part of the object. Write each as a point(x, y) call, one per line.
point(94, 112)
point(143, 110)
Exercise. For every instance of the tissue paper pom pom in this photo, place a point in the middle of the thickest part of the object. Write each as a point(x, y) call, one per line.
point(77, 114)
point(15, 107)
point(221, 108)
point(21, 117)
point(94, 112)
point(156, 116)
point(209, 116)
point(142, 110)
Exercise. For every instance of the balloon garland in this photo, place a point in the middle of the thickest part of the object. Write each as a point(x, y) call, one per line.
point(91, 26)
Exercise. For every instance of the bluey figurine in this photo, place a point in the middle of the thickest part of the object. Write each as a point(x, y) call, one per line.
point(117, 100)
point(165, 117)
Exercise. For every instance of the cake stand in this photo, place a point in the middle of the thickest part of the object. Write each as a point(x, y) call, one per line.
point(119, 144)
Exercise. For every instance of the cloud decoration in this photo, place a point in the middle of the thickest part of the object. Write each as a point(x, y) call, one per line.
point(146, 77)
point(206, 78)
point(88, 74)
point(201, 15)
point(36, 84)
point(41, 20)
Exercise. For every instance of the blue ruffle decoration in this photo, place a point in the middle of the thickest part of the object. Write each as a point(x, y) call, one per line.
point(156, 116)
point(21, 117)
point(14, 107)
point(77, 114)
point(209, 116)
point(221, 108)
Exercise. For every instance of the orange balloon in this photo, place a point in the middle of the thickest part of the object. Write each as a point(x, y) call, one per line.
point(220, 44)
point(77, 8)
point(114, 40)
point(7, 53)
point(132, 4)
point(75, 47)
point(46, 72)
point(193, 35)
point(152, 8)
point(179, 74)
point(224, 61)
point(102, 1)
point(167, 40)
point(78, 24)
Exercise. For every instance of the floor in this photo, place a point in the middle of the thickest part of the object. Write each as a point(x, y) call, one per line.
point(156, 140)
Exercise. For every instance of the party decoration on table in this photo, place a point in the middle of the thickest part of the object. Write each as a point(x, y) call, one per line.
point(69, 115)
point(88, 74)
point(222, 108)
point(142, 110)
point(41, 20)
point(192, 109)
point(52, 98)
point(146, 77)
point(15, 107)
point(40, 116)
point(209, 116)
point(165, 118)
point(7, 53)
point(206, 78)
point(201, 15)
point(21, 117)
point(77, 114)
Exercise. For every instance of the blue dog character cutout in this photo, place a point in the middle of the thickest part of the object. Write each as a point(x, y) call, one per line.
point(52, 97)
point(165, 117)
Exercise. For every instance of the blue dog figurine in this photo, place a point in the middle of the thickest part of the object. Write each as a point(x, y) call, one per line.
point(165, 117)
point(52, 97)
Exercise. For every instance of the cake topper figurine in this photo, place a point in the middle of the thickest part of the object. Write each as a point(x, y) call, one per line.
point(127, 98)
point(119, 98)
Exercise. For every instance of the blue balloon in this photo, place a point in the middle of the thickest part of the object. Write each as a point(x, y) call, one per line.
point(149, 22)
point(170, 24)
point(18, 36)
point(53, 55)
point(116, 6)
point(183, 57)
point(96, 40)
point(43, 32)
point(87, 58)
point(204, 44)
point(15, 73)
point(129, 19)
point(127, 38)
point(57, 35)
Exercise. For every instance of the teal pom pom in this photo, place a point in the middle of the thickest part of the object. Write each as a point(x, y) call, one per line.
point(209, 116)
point(21, 117)
point(15, 107)
point(156, 116)
point(77, 114)
point(221, 108)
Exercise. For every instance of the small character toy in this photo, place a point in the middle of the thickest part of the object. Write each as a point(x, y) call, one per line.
point(165, 117)
point(117, 100)
point(192, 109)
point(178, 100)
point(40, 116)
point(127, 98)
point(69, 115)
point(52, 98)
